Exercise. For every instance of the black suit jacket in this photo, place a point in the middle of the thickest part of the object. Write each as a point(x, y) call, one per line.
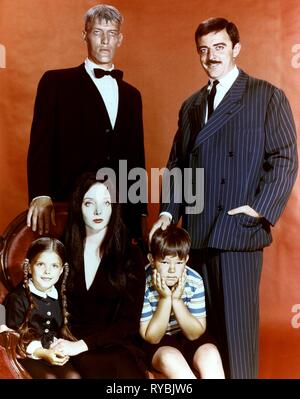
point(71, 133)
point(248, 153)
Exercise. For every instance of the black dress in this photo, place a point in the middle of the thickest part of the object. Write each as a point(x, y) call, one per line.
point(108, 321)
point(46, 317)
point(46, 321)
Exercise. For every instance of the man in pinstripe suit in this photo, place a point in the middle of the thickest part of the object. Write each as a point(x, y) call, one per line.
point(244, 138)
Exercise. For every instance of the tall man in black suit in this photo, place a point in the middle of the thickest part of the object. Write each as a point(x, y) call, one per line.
point(85, 118)
point(241, 131)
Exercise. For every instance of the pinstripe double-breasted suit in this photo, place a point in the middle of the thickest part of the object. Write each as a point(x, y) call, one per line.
point(248, 152)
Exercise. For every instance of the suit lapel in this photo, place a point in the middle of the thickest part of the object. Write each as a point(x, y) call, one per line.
point(93, 97)
point(121, 106)
point(197, 115)
point(228, 107)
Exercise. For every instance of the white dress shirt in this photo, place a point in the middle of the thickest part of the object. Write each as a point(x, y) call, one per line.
point(108, 88)
point(222, 87)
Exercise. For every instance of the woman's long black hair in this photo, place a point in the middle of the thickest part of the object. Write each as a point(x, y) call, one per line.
point(115, 244)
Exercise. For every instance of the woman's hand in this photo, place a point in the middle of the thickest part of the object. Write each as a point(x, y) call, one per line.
point(69, 348)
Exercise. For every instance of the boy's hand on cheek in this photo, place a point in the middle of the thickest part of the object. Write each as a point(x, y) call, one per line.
point(178, 289)
point(160, 285)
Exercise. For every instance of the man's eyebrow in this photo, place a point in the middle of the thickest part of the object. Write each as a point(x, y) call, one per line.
point(113, 29)
point(214, 45)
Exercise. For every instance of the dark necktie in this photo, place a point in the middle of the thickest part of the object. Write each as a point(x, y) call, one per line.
point(210, 99)
point(115, 73)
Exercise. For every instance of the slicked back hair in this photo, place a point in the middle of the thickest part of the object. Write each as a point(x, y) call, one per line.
point(216, 25)
point(100, 12)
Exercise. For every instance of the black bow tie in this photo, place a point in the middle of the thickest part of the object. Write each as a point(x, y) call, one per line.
point(115, 73)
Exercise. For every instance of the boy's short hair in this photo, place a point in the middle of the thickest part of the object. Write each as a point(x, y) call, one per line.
point(173, 241)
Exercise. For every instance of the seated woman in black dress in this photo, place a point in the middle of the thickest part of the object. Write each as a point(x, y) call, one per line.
point(106, 285)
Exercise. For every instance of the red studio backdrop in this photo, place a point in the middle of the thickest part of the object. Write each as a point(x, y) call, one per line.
point(158, 56)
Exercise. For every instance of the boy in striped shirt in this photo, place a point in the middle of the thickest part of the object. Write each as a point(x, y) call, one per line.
point(173, 319)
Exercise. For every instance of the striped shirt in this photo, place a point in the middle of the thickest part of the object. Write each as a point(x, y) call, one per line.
point(193, 297)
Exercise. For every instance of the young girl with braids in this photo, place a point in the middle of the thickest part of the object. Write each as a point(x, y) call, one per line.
point(36, 312)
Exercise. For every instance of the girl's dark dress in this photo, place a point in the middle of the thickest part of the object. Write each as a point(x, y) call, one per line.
point(46, 321)
point(108, 321)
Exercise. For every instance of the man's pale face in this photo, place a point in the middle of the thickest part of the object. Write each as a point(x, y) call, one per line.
point(103, 38)
point(217, 56)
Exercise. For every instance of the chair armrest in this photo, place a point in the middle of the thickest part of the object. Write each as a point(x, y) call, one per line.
point(9, 365)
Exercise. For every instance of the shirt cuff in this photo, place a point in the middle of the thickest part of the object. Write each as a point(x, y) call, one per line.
point(166, 214)
point(41, 196)
point(32, 347)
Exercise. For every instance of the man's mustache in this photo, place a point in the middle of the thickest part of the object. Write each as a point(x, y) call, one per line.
point(213, 62)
